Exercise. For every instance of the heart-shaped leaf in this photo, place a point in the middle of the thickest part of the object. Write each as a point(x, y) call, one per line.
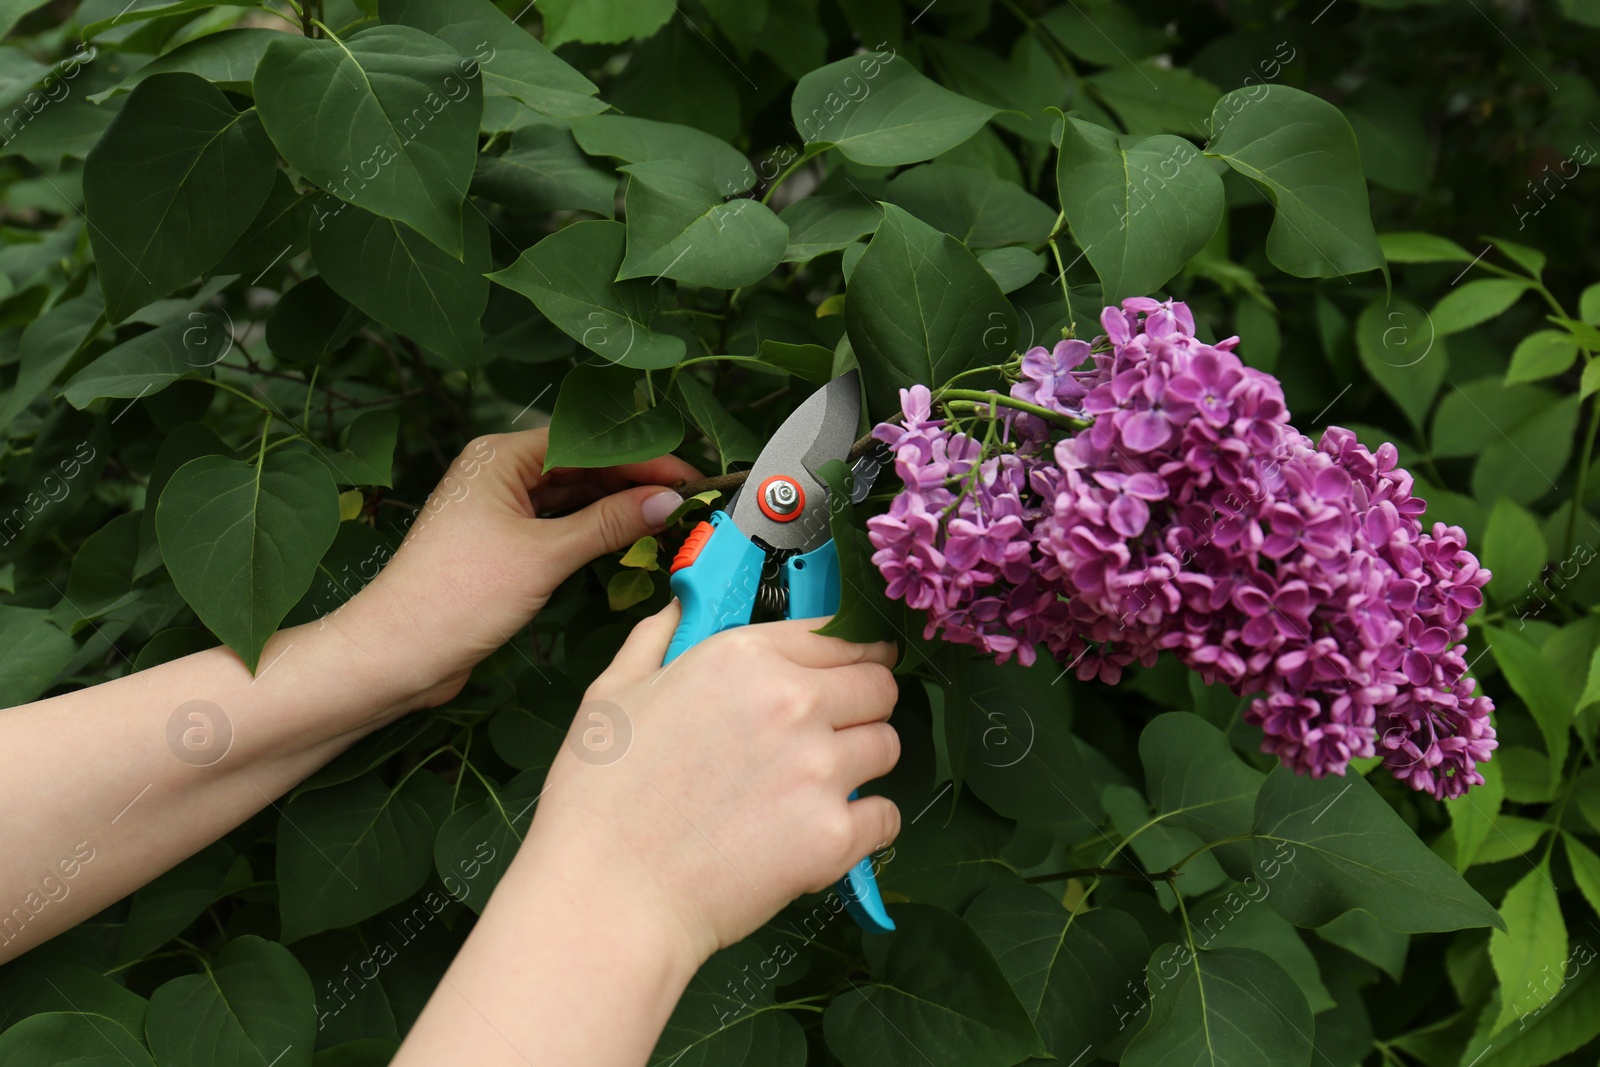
point(1139, 208)
point(252, 1005)
point(570, 275)
point(242, 540)
point(175, 180)
point(599, 421)
point(387, 120)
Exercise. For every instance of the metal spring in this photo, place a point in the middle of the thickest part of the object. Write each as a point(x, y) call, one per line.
point(772, 593)
point(772, 598)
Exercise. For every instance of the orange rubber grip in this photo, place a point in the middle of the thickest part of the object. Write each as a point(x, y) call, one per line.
point(691, 547)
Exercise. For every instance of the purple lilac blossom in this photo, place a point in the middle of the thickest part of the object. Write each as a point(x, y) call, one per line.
point(1189, 516)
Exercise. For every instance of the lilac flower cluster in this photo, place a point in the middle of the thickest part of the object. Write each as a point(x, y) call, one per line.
point(1145, 493)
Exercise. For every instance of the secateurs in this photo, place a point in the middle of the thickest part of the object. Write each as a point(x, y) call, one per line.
point(779, 516)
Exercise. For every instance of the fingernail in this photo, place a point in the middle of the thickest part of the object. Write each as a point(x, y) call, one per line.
point(658, 508)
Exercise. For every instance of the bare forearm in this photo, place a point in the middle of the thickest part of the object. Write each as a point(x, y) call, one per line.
point(562, 968)
point(133, 776)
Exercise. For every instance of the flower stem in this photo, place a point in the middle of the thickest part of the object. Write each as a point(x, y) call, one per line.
point(982, 400)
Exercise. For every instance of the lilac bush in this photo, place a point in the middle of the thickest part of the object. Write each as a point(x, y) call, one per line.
point(1146, 492)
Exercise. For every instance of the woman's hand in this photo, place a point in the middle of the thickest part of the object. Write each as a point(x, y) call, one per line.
point(731, 798)
point(480, 559)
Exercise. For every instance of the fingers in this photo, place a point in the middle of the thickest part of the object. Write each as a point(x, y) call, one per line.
point(856, 694)
point(523, 454)
point(796, 641)
point(608, 525)
point(867, 752)
point(876, 821)
point(641, 654)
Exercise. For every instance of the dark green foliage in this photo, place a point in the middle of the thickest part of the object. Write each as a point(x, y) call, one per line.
point(257, 287)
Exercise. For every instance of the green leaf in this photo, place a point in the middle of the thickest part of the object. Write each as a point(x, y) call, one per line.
point(860, 616)
point(1414, 247)
point(152, 361)
point(1363, 936)
point(175, 180)
point(1071, 971)
point(366, 455)
point(1160, 846)
point(1335, 845)
point(1011, 268)
point(680, 228)
point(1531, 677)
point(950, 862)
point(644, 553)
point(311, 321)
point(347, 852)
point(1530, 953)
point(1513, 549)
point(47, 345)
point(543, 170)
point(242, 540)
point(1196, 781)
point(82, 1040)
point(1302, 152)
point(1472, 815)
point(599, 421)
point(732, 439)
point(1227, 919)
point(813, 363)
point(569, 277)
point(475, 845)
point(36, 984)
point(1400, 350)
point(882, 112)
point(1589, 305)
point(386, 119)
point(1567, 1023)
point(162, 909)
point(1140, 209)
point(627, 588)
point(974, 207)
point(511, 61)
point(645, 140)
point(921, 308)
point(723, 1018)
point(102, 573)
point(1542, 354)
point(935, 979)
point(1529, 259)
point(280, 230)
point(1021, 757)
point(1476, 303)
point(1105, 32)
point(1228, 1007)
point(1585, 869)
point(36, 651)
point(1152, 97)
point(406, 283)
point(828, 223)
point(225, 58)
point(602, 21)
point(1522, 435)
point(253, 1003)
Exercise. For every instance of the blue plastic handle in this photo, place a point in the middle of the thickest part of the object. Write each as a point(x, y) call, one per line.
point(718, 590)
point(813, 580)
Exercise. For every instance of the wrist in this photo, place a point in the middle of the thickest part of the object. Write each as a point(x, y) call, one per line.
point(579, 858)
point(378, 643)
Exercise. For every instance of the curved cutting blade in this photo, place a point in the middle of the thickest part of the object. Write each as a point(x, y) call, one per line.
point(822, 428)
